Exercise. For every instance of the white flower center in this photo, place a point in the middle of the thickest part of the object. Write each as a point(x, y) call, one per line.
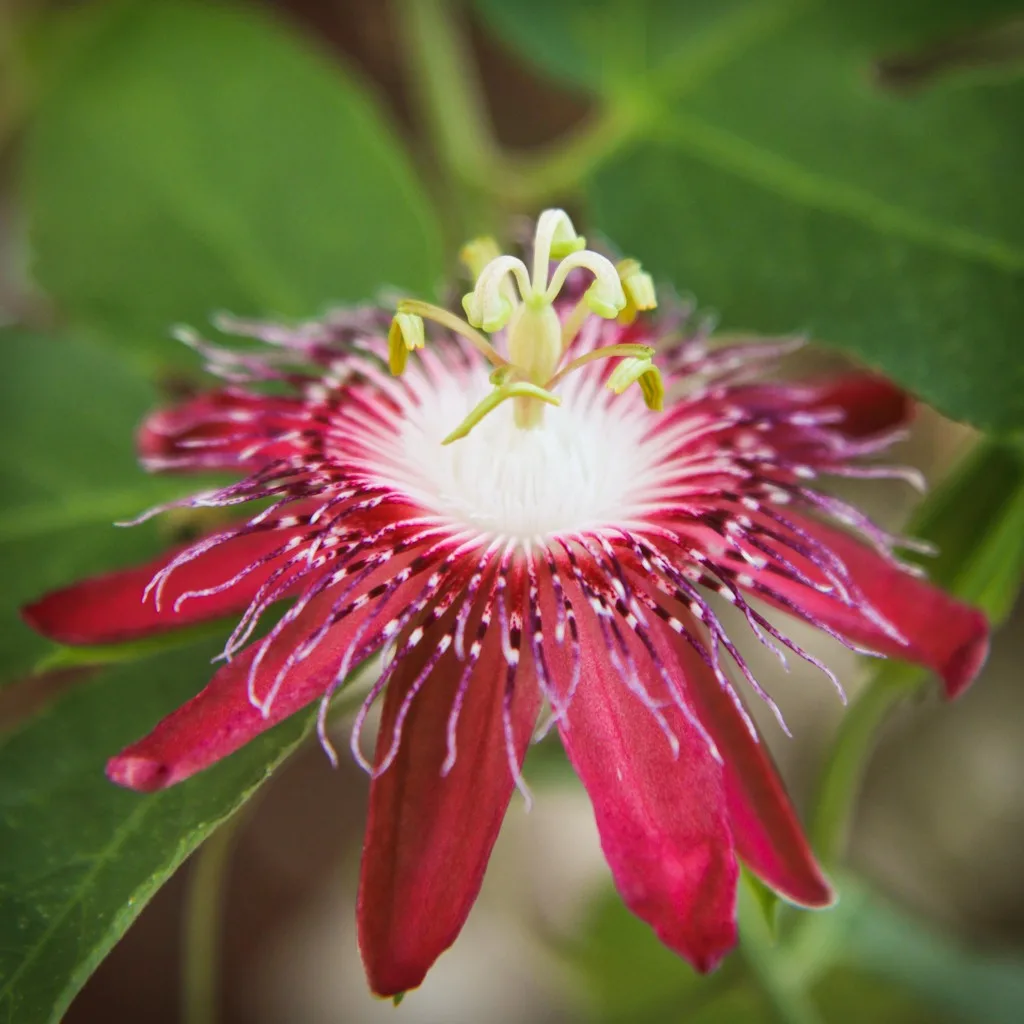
point(585, 467)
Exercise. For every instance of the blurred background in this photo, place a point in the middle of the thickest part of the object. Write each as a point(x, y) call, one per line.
point(100, 170)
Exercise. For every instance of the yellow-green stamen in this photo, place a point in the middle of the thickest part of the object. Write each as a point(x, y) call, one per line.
point(506, 296)
point(608, 352)
point(638, 287)
point(446, 319)
point(642, 372)
point(406, 335)
point(519, 389)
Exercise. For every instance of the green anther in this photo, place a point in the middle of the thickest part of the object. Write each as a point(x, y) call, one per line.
point(405, 334)
point(604, 301)
point(453, 323)
point(489, 314)
point(475, 255)
point(555, 239)
point(639, 290)
point(517, 389)
point(642, 372)
point(561, 247)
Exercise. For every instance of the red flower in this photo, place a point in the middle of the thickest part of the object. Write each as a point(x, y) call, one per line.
point(556, 557)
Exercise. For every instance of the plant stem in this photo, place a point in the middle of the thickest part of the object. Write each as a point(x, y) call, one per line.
point(533, 181)
point(789, 1003)
point(204, 922)
point(482, 179)
point(15, 79)
point(447, 89)
point(855, 739)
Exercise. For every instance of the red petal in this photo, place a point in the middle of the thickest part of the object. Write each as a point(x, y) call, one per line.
point(768, 835)
point(870, 404)
point(429, 837)
point(235, 421)
point(663, 822)
point(109, 609)
point(942, 634)
point(221, 718)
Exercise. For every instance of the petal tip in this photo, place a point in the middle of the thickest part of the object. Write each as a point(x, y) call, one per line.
point(706, 952)
point(142, 774)
point(36, 617)
point(393, 980)
point(815, 893)
point(965, 664)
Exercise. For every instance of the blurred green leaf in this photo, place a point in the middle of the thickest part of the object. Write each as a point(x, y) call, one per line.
point(867, 944)
point(741, 1005)
point(963, 985)
point(862, 961)
point(68, 471)
point(767, 901)
point(652, 46)
point(83, 857)
point(847, 996)
point(976, 520)
point(196, 157)
point(627, 974)
point(546, 763)
point(755, 157)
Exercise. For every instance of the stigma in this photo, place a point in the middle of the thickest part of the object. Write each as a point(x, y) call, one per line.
point(532, 344)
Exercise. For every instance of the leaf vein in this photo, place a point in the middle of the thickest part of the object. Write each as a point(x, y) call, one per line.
point(735, 155)
point(121, 834)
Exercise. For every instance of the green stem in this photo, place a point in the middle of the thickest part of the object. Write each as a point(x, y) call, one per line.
point(481, 179)
point(15, 78)
point(855, 739)
point(447, 89)
point(533, 181)
point(204, 923)
point(789, 1004)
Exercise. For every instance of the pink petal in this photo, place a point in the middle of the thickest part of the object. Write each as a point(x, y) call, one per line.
point(662, 820)
point(767, 832)
point(222, 718)
point(109, 609)
point(942, 633)
point(428, 837)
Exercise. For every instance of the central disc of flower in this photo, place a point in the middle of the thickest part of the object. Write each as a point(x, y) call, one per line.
point(585, 467)
point(537, 343)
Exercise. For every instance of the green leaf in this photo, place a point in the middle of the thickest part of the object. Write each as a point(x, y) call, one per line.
point(976, 520)
point(197, 157)
point(755, 159)
point(963, 985)
point(868, 944)
point(767, 901)
point(69, 410)
point(81, 856)
point(611, 47)
point(627, 973)
point(848, 996)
